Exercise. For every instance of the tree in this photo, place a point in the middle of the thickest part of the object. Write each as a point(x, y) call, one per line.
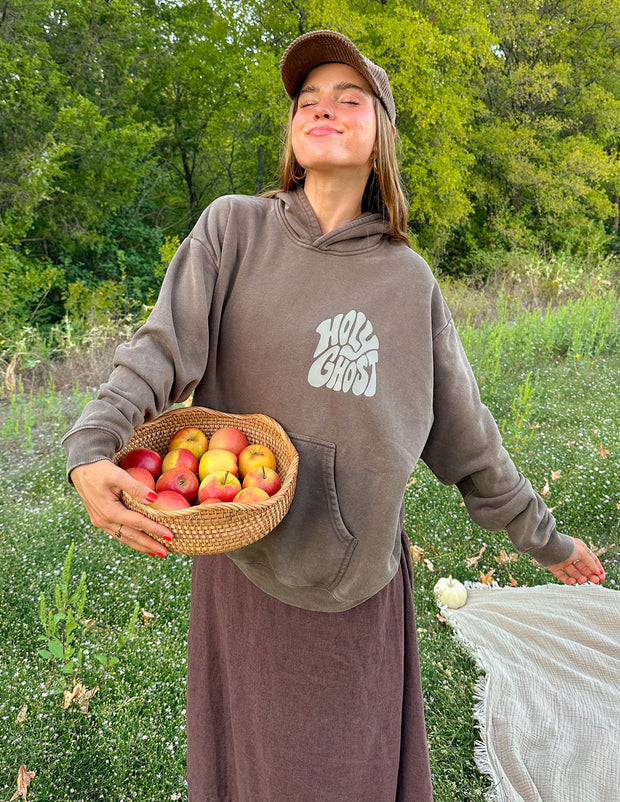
point(546, 139)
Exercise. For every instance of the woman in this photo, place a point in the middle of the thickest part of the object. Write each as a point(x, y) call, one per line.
point(309, 305)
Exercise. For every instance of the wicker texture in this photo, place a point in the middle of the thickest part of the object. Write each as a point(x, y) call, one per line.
point(216, 528)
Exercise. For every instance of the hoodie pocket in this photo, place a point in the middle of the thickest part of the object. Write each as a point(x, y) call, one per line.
point(312, 546)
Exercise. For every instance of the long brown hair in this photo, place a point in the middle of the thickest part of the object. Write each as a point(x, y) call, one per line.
point(384, 193)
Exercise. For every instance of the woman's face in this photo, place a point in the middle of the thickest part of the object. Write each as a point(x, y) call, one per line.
point(335, 125)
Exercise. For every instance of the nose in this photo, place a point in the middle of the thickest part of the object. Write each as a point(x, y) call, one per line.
point(323, 112)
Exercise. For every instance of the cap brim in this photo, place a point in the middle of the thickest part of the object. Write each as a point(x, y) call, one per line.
point(319, 47)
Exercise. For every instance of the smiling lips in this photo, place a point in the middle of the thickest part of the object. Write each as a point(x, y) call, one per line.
point(322, 130)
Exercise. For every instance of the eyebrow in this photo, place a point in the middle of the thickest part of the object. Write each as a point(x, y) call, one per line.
point(341, 85)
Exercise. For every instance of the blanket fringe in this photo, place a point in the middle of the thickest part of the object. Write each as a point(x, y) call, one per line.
point(481, 756)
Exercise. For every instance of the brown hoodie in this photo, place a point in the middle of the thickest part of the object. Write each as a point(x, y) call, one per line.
point(345, 339)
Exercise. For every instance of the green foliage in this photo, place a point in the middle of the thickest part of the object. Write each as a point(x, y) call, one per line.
point(64, 630)
point(59, 636)
point(24, 286)
point(120, 122)
point(516, 431)
point(584, 329)
point(88, 307)
point(546, 134)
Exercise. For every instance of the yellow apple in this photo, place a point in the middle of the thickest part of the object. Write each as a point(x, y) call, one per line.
point(190, 437)
point(256, 455)
point(217, 459)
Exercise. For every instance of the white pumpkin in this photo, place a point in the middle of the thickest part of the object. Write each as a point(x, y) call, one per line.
point(450, 592)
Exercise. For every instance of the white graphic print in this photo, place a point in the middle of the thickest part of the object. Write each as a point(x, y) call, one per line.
point(347, 354)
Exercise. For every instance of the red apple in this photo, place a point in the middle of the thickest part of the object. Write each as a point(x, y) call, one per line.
point(142, 475)
point(222, 485)
point(210, 501)
point(170, 500)
point(251, 495)
point(192, 438)
point(143, 458)
point(181, 480)
point(180, 458)
point(263, 477)
point(255, 456)
point(230, 439)
point(217, 459)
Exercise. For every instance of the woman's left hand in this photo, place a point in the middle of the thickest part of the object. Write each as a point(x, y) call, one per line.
point(582, 566)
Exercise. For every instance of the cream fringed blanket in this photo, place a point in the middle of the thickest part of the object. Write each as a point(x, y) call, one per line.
point(548, 703)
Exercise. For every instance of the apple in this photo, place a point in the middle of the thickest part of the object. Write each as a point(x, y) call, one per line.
point(192, 438)
point(230, 439)
point(170, 500)
point(143, 458)
point(222, 485)
point(263, 477)
point(180, 480)
point(180, 458)
point(217, 459)
point(251, 495)
point(143, 476)
point(210, 501)
point(255, 456)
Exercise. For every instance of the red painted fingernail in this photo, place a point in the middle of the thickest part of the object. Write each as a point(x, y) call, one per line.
point(167, 537)
point(161, 554)
point(151, 496)
point(152, 554)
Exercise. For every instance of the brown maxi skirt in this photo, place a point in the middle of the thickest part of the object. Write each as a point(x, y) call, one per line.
point(292, 705)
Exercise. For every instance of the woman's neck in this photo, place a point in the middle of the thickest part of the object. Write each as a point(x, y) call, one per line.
point(335, 199)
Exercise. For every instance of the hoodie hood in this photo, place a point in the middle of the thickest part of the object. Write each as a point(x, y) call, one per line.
point(365, 232)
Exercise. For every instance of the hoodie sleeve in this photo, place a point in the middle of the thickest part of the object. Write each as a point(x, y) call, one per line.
point(464, 448)
point(160, 366)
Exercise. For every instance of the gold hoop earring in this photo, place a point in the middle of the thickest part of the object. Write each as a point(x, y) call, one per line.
point(300, 177)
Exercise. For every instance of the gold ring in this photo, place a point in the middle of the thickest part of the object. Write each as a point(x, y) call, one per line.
point(574, 562)
point(118, 534)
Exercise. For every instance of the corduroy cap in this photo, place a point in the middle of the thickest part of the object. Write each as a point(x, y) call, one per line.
point(322, 47)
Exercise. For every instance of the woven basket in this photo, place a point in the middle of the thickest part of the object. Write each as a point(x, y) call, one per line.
point(215, 528)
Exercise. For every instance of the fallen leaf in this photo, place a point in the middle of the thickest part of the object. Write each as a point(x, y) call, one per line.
point(429, 564)
point(23, 781)
point(474, 560)
point(546, 491)
point(603, 452)
point(513, 581)
point(147, 616)
point(598, 551)
point(21, 716)
point(487, 579)
point(504, 557)
point(441, 618)
point(80, 695)
point(411, 482)
point(416, 553)
point(555, 475)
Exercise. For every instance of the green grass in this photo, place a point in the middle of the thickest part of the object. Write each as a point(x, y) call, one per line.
point(130, 744)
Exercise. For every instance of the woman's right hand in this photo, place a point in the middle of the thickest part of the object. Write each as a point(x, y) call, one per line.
point(99, 485)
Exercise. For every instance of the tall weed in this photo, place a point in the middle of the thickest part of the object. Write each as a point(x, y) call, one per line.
point(521, 339)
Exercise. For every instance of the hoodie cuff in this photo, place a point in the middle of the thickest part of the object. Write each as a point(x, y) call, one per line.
point(88, 445)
